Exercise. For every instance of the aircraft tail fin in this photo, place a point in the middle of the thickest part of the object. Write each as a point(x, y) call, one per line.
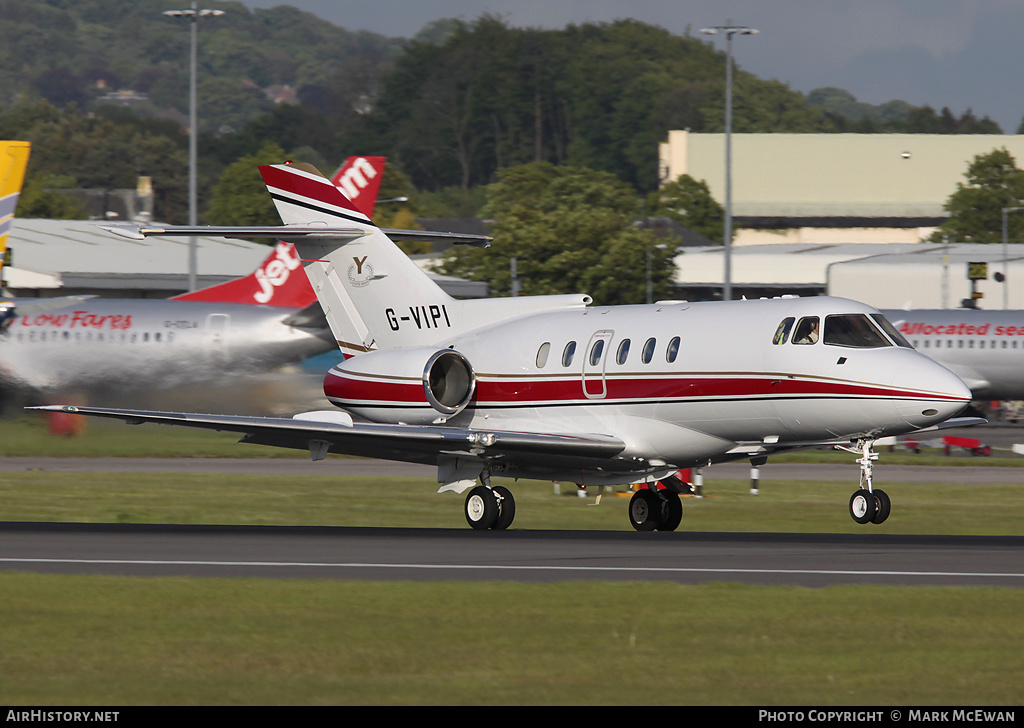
point(279, 281)
point(373, 294)
point(359, 178)
point(13, 161)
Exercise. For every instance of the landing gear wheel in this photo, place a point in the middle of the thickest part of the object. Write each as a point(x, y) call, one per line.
point(481, 508)
point(862, 506)
point(506, 508)
point(883, 506)
point(645, 508)
point(673, 506)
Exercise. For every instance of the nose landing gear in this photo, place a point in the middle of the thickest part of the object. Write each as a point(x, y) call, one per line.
point(867, 504)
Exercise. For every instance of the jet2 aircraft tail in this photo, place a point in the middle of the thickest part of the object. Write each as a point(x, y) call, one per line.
point(373, 294)
point(279, 281)
point(359, 178)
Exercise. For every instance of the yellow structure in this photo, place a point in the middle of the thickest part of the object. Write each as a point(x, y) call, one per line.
point(13, 161)
point(832, 188)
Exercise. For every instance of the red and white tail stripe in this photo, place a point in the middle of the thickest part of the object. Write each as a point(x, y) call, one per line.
point(303, 197)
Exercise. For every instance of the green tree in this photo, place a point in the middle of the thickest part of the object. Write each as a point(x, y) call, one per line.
point(571, 231)
point(689, 202)
point(993, 181)
point(103, 151)
point(240, 198)
point(41, 197)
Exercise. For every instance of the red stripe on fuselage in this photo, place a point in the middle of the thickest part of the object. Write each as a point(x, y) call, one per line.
point(499, 392)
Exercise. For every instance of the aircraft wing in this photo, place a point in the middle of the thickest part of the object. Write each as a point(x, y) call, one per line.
point(31, 307)
point(335, 432)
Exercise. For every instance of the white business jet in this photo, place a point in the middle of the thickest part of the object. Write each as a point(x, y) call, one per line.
point(549, 387)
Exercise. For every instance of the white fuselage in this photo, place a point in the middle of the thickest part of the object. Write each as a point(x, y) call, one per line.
point(123, 345)
point(984, 348)
point(679, 383)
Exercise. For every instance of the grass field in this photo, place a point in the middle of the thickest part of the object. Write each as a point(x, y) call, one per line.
point(781, 506)
point(122, 641)
point(119, 641)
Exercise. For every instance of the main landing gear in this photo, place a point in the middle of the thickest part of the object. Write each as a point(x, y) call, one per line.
point(655, 510)
point(868, 504)
point(652, 509)
point(488, 507)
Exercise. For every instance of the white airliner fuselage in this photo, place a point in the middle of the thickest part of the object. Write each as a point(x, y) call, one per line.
point(984, 348)
point(125, 345)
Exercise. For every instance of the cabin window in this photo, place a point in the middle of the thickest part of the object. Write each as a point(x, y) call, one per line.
point(542, 354)
point(623, 352)
point(806, 331)
point(648, 352)
point(782, 333)
point(568, 354)
point(596, 351)
point(897, 338)
point(853, 330)
point(673, 350)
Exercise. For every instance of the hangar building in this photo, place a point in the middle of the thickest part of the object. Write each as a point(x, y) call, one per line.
point(844, 214)
point(832, 188)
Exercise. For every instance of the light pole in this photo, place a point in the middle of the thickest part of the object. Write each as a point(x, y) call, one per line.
point(729, 31)
point(193, 15)
point(1006, 281)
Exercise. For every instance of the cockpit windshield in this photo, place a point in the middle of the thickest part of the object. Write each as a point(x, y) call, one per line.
point(891, 330)
point(854, 330)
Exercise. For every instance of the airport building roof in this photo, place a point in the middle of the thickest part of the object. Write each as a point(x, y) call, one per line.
point(72, 255)
point(885, 276)
point(65, 257)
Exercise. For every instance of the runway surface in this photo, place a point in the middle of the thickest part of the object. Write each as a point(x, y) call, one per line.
point(812, 560)
point(531, 556)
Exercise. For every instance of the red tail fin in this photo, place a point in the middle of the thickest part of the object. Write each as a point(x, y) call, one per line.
point(279, 281)
point(359, 178)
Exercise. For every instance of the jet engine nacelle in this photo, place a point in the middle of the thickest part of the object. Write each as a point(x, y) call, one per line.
point(414, 386)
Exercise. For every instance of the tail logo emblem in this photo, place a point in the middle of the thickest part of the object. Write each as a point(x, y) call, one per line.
point(361, 273)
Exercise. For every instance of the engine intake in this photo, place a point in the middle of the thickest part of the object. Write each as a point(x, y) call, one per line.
point(448, 381)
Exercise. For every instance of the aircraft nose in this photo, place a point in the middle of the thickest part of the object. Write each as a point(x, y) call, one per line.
point(931, 393)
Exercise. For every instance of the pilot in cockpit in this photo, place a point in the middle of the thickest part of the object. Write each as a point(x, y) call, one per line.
point(806, 331)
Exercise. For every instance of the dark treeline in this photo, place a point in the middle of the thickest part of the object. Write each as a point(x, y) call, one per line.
point(450, 108)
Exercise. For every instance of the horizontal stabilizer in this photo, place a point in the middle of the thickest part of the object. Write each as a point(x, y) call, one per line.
point(288, 232)
point(281, 232)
